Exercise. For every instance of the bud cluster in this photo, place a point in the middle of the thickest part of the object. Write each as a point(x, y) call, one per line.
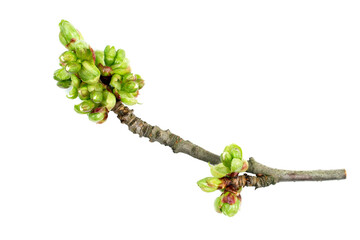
point(98, 78)
point(232, 163)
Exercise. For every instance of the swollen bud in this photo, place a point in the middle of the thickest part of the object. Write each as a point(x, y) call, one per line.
point(61, 75)
point(127, 98)
point(73, 67)
point(230, 204)
point(68, 34)
point(109, 100)
point(73, 93)
point(68, 56)
point(234, 150)
point(210, 184)
point(83, 92)
point(64, 84)
point(99, 58)
point(75, 81)
point(236, 165)
point(130, 87)
point(89, 73)
point(86, 106)
point(110, 54)
point(98, 115)
point(115, 81)
point(96, 96)
point(82, 50)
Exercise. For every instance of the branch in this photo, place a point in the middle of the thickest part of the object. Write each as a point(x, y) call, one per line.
point(177, 144)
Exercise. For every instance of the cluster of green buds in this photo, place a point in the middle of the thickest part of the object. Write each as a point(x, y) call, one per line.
point(98, 78)
point(232, 163)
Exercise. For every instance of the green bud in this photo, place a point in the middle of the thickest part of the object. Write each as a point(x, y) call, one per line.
point(68, 34)
point(98, 115)
point(230, 210)
point(218, 204)
point(75, 81)
point(89, 73)
point(124, 64)
point(110, 53)
point(234, 150)
point(83, 50)
point(109, 100)
point(130, 87)
point(86, 106)
point(68, 56)
point(245, 166)
point(97, 97)
point(99, 58)
point(226, 158)
point(121, 71)
point(127, 98)
point(77, 109)
point(61, 75)
point(73, 67)
point(120, 56)
point(236, 165)
point(230, 203)
point(219, 170)
point(64, 84)
point(73, 93)
point(140, 82)
point(98, 87)
point(83, 92)
point(115, 81)
point(128, 77)
point(210, 184)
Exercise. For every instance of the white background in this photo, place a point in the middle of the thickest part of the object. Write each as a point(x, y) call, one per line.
point(279, 78)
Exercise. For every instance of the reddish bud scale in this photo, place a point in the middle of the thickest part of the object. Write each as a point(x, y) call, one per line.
point(93, 53)
point(229, 198)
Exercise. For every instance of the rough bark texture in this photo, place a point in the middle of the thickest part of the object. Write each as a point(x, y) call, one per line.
point(177, 144)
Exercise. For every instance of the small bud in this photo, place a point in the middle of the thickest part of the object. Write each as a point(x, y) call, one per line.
point(61, 75)
point(89, 73)
point(73, 67)
point(109, 100)
point(234, 150)
point(83, 92)
point(68, 34)
point(130, 87)
point(127, 98)
point(219, 170)
point(98, 115)
point(64, 84)
point(99, 58)
point(210, 184)
point(73, 93)
point(110, 54)
point(230, 204)
point(86, 106)
point(218, 204)
point(104, 70)
point(75, 81)
point(236, 164)
point(98, 87)
point(96, 96)
point(120, 56)
point(68, 56)
point(226, 158)
point(82, 50)
point(124, 64)
point(115, 81)
point(140, 82)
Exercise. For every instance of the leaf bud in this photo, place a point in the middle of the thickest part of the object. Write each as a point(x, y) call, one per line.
point(234, 150)
point(230, 203)
point(120, 56)
point(68, 34)
point(236, 164)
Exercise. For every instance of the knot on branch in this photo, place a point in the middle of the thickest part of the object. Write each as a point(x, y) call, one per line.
point(245, 180)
